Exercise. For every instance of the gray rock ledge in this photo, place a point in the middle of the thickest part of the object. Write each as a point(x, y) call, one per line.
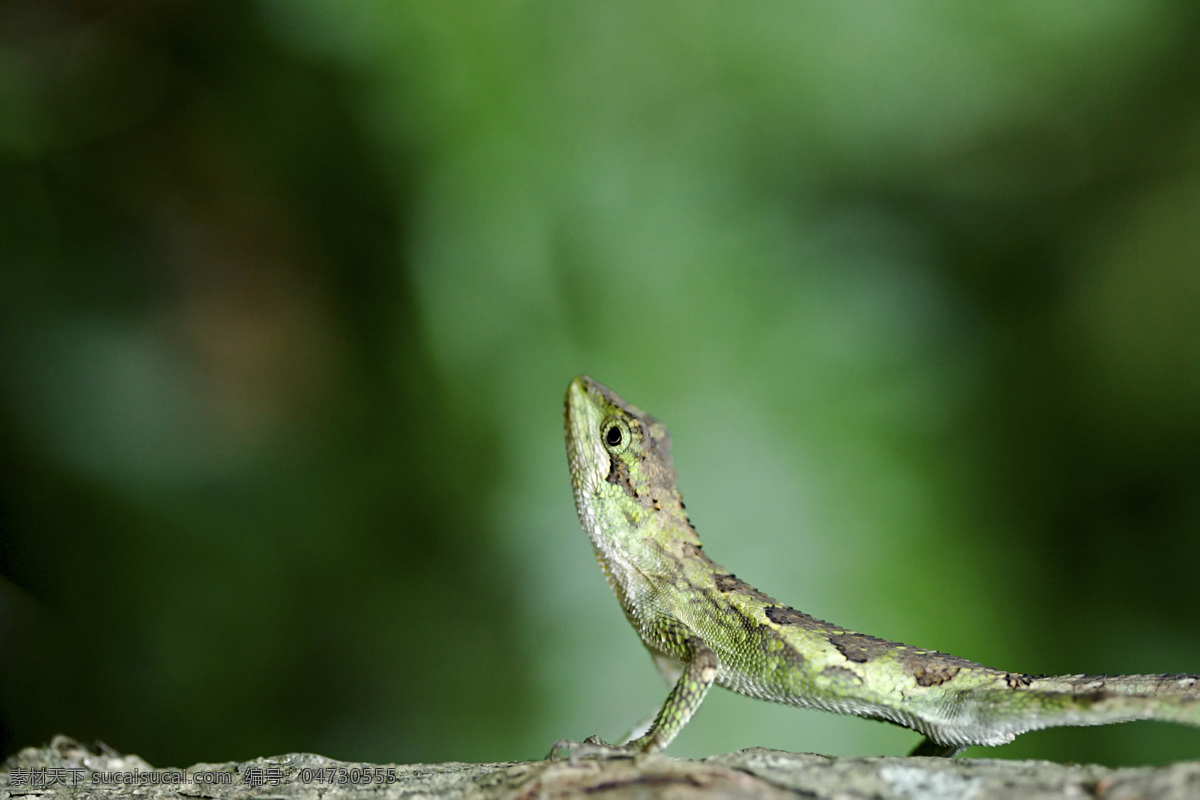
point(66, 769)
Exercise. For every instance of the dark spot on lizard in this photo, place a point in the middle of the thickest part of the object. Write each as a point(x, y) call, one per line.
point(1016, 680)
point(931, 668)
point(861, 648)
point(618, 474)
point(731, 583)
point(783, 615)
point(934, 673)
point(1091, 698)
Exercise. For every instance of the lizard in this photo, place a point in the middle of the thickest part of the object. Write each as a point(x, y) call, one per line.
point(704, 626)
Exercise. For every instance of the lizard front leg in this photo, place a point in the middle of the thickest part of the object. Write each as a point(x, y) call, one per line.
point(695, 679)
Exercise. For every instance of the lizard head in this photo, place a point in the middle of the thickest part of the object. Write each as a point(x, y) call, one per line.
point(620, 464)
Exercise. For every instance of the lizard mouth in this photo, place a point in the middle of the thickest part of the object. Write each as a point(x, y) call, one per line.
point(582, 410)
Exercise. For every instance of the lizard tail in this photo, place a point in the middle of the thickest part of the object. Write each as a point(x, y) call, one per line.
point(996, 714)
point(1051, 702)
point(1100, 699)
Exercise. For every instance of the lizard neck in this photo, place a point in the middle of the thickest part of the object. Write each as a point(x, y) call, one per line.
point(643, 549)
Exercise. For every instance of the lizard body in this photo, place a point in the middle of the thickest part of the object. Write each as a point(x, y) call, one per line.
point(703, 625)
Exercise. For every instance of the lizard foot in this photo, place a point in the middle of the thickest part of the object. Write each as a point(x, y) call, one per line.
point(930, 748)
point(590, 748)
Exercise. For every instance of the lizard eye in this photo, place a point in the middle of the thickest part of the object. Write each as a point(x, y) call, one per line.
point(615, 433)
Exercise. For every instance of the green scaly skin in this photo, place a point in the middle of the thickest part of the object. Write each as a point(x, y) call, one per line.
point(703, 626)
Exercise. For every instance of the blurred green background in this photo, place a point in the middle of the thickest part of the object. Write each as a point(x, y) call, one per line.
point(290, 293)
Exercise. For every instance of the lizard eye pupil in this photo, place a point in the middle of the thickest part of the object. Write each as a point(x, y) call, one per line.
point(616, 435)
point(613, 437)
